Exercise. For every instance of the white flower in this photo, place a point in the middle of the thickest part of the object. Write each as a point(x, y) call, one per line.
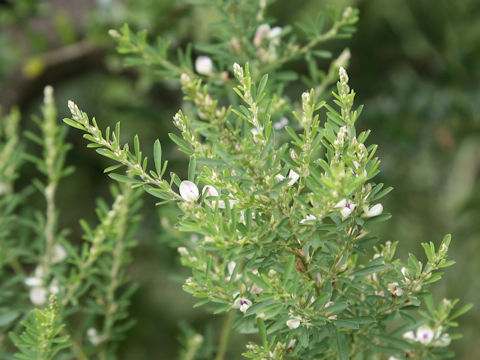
point(33, 281)
point(443, 340)
point(182, 250)
point(53, 288)
point(275, 32)
point(346, 207)
point(375, 210)
point(58, 253)
point(231, 267)
point(292, 343)
point(293, 323)
point(393, 358)
point(394, 289)
point(343, 75)
point(293, 177)
point(263, 31)
point(232, 202)
point(308, 218)
point(203, 65)
point(184, 79)
point(255, 133)
point(424, 335)
point(256, 290)
point(38, 295)
point(189, 191)
point(237, 71)
point(93, 336)
point(281, 123)
point(279, 177)
point(328, 304)
point(242, 304)
point(39, 271)
point(209, 191)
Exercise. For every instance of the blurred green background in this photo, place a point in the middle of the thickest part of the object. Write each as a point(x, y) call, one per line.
point(415, 65)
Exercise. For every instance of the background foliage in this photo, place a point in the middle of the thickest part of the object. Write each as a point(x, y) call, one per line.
point(415, 66)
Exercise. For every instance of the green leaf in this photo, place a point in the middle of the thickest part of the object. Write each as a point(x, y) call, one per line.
point(289, 268)
point(183, 145)
point(157, 156)
point(368, 270)
point(124, 179)
point(7, 317)
point(342, 346)
point(157, 193)
point(261, 85)
point(113, 167)
point(461, 311)
point(262, 331)
point(191, 168)
point(74, 124)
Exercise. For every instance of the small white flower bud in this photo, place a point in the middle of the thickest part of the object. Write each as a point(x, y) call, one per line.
point(293, 323)
point(443, 248)
point(54, 288)
point(281, 123)
point(262, 33)
point(38, 296)
point(343, 75)
point(93, 336)
point(209, 191)
point(204, 65)
point(308, 218)
point(443, 340)
point(184, 79)
point(182, 250)
point(275, 32)
point(347, 12)
point(33, 281)
point(306, 97)
point(189, 191)
point(231, 267)
point(58, 253)
point(238, 71)
point(375, 210)
point(291, 344)
point(293, 177)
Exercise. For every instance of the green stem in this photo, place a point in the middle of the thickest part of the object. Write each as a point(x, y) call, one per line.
point(222, 347)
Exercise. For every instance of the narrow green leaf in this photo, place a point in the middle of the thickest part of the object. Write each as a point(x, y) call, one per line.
point(74, 124)
point(342, 346)
point(263, 332)
point(288, 269)
point(461, 311)
point(181, 143)
point(124, 179)
point(157, 156)
point(113, 167)
point(191, 168)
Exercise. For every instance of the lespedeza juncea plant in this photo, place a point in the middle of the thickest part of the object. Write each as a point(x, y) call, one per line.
point(280, 195)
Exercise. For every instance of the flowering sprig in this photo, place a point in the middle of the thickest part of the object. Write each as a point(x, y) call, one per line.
point(282, 223)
